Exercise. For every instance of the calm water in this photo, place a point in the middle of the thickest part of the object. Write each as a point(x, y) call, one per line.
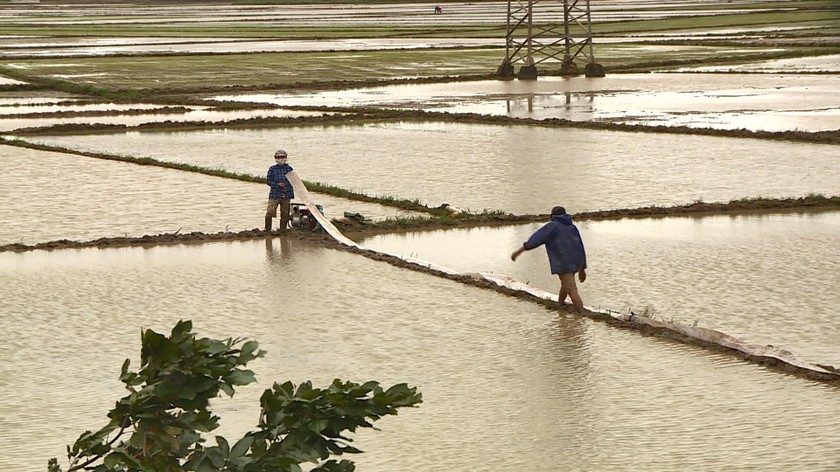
point(767, 279)
point(768, 102)
point(8, 111)
point(46, 196)
point(508, 385)
point(517, 169)
point(827, 63)
point(11, 122)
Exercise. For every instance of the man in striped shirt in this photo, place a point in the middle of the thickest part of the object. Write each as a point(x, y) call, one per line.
point(281, 193)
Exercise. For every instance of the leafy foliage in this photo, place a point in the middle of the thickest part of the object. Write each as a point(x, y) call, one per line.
point(158, 426)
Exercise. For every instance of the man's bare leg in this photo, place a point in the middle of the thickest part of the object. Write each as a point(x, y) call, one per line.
point(568, 287)
point(561, 297)
point(576, 301)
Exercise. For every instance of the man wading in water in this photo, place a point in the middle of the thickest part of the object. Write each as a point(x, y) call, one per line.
point(281, 193)
point(566, 254)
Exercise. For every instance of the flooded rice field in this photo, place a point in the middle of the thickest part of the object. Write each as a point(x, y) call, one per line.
point(14, 107)
point(609, 170)
point(243, 46)
point(97, 198)
point(13, 99)
point(507, 384)
point(195, 114)
point(8, 81)
point(828, 63)
point(464, 13)
point(721, 272)
point(721, 101)
point(66, 48)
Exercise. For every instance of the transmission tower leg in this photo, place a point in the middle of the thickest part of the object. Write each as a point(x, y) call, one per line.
point(528, 73)
point(595, 70)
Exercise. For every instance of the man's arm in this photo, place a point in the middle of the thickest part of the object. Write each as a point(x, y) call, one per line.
point(517, 252)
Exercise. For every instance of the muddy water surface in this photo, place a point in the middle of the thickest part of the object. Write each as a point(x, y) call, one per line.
point(10, 122)
point(24, 108)
point(456, 13)
point(8, 81)
point(721, 101)
point(90, 47)
point(48, 196)
point(768, 279)
point(243, 46)
point(827, 63)
point(508, 385)
point(517, 169)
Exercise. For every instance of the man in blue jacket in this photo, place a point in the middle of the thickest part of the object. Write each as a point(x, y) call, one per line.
point(566, 254)
point(281, 193)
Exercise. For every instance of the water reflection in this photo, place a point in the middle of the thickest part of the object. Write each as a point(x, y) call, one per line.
point(277, 249)
point(659, 98)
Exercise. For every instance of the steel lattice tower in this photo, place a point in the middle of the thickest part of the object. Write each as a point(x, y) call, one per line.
point(529, 43)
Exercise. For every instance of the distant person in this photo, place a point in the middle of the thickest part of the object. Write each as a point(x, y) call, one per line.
point(438, 9)
point(566, 255)
point(281, 193)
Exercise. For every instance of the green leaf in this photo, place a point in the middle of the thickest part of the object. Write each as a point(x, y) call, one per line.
point(227, 389)
point(240, 377)
point(241, 447)
point(206, 466)
point(223, 445)
point(250, 352)
point(318, 425)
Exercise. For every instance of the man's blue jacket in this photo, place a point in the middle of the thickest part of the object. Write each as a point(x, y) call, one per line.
point(562, 243)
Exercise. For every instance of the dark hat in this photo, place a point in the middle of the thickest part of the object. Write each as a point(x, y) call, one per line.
point(558, 210)
point(280, 153)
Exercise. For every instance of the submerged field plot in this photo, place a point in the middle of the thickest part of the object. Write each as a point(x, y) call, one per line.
point(477, 167)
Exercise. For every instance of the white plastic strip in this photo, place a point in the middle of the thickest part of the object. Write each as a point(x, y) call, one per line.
point(303, 195)
point(723, 339)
